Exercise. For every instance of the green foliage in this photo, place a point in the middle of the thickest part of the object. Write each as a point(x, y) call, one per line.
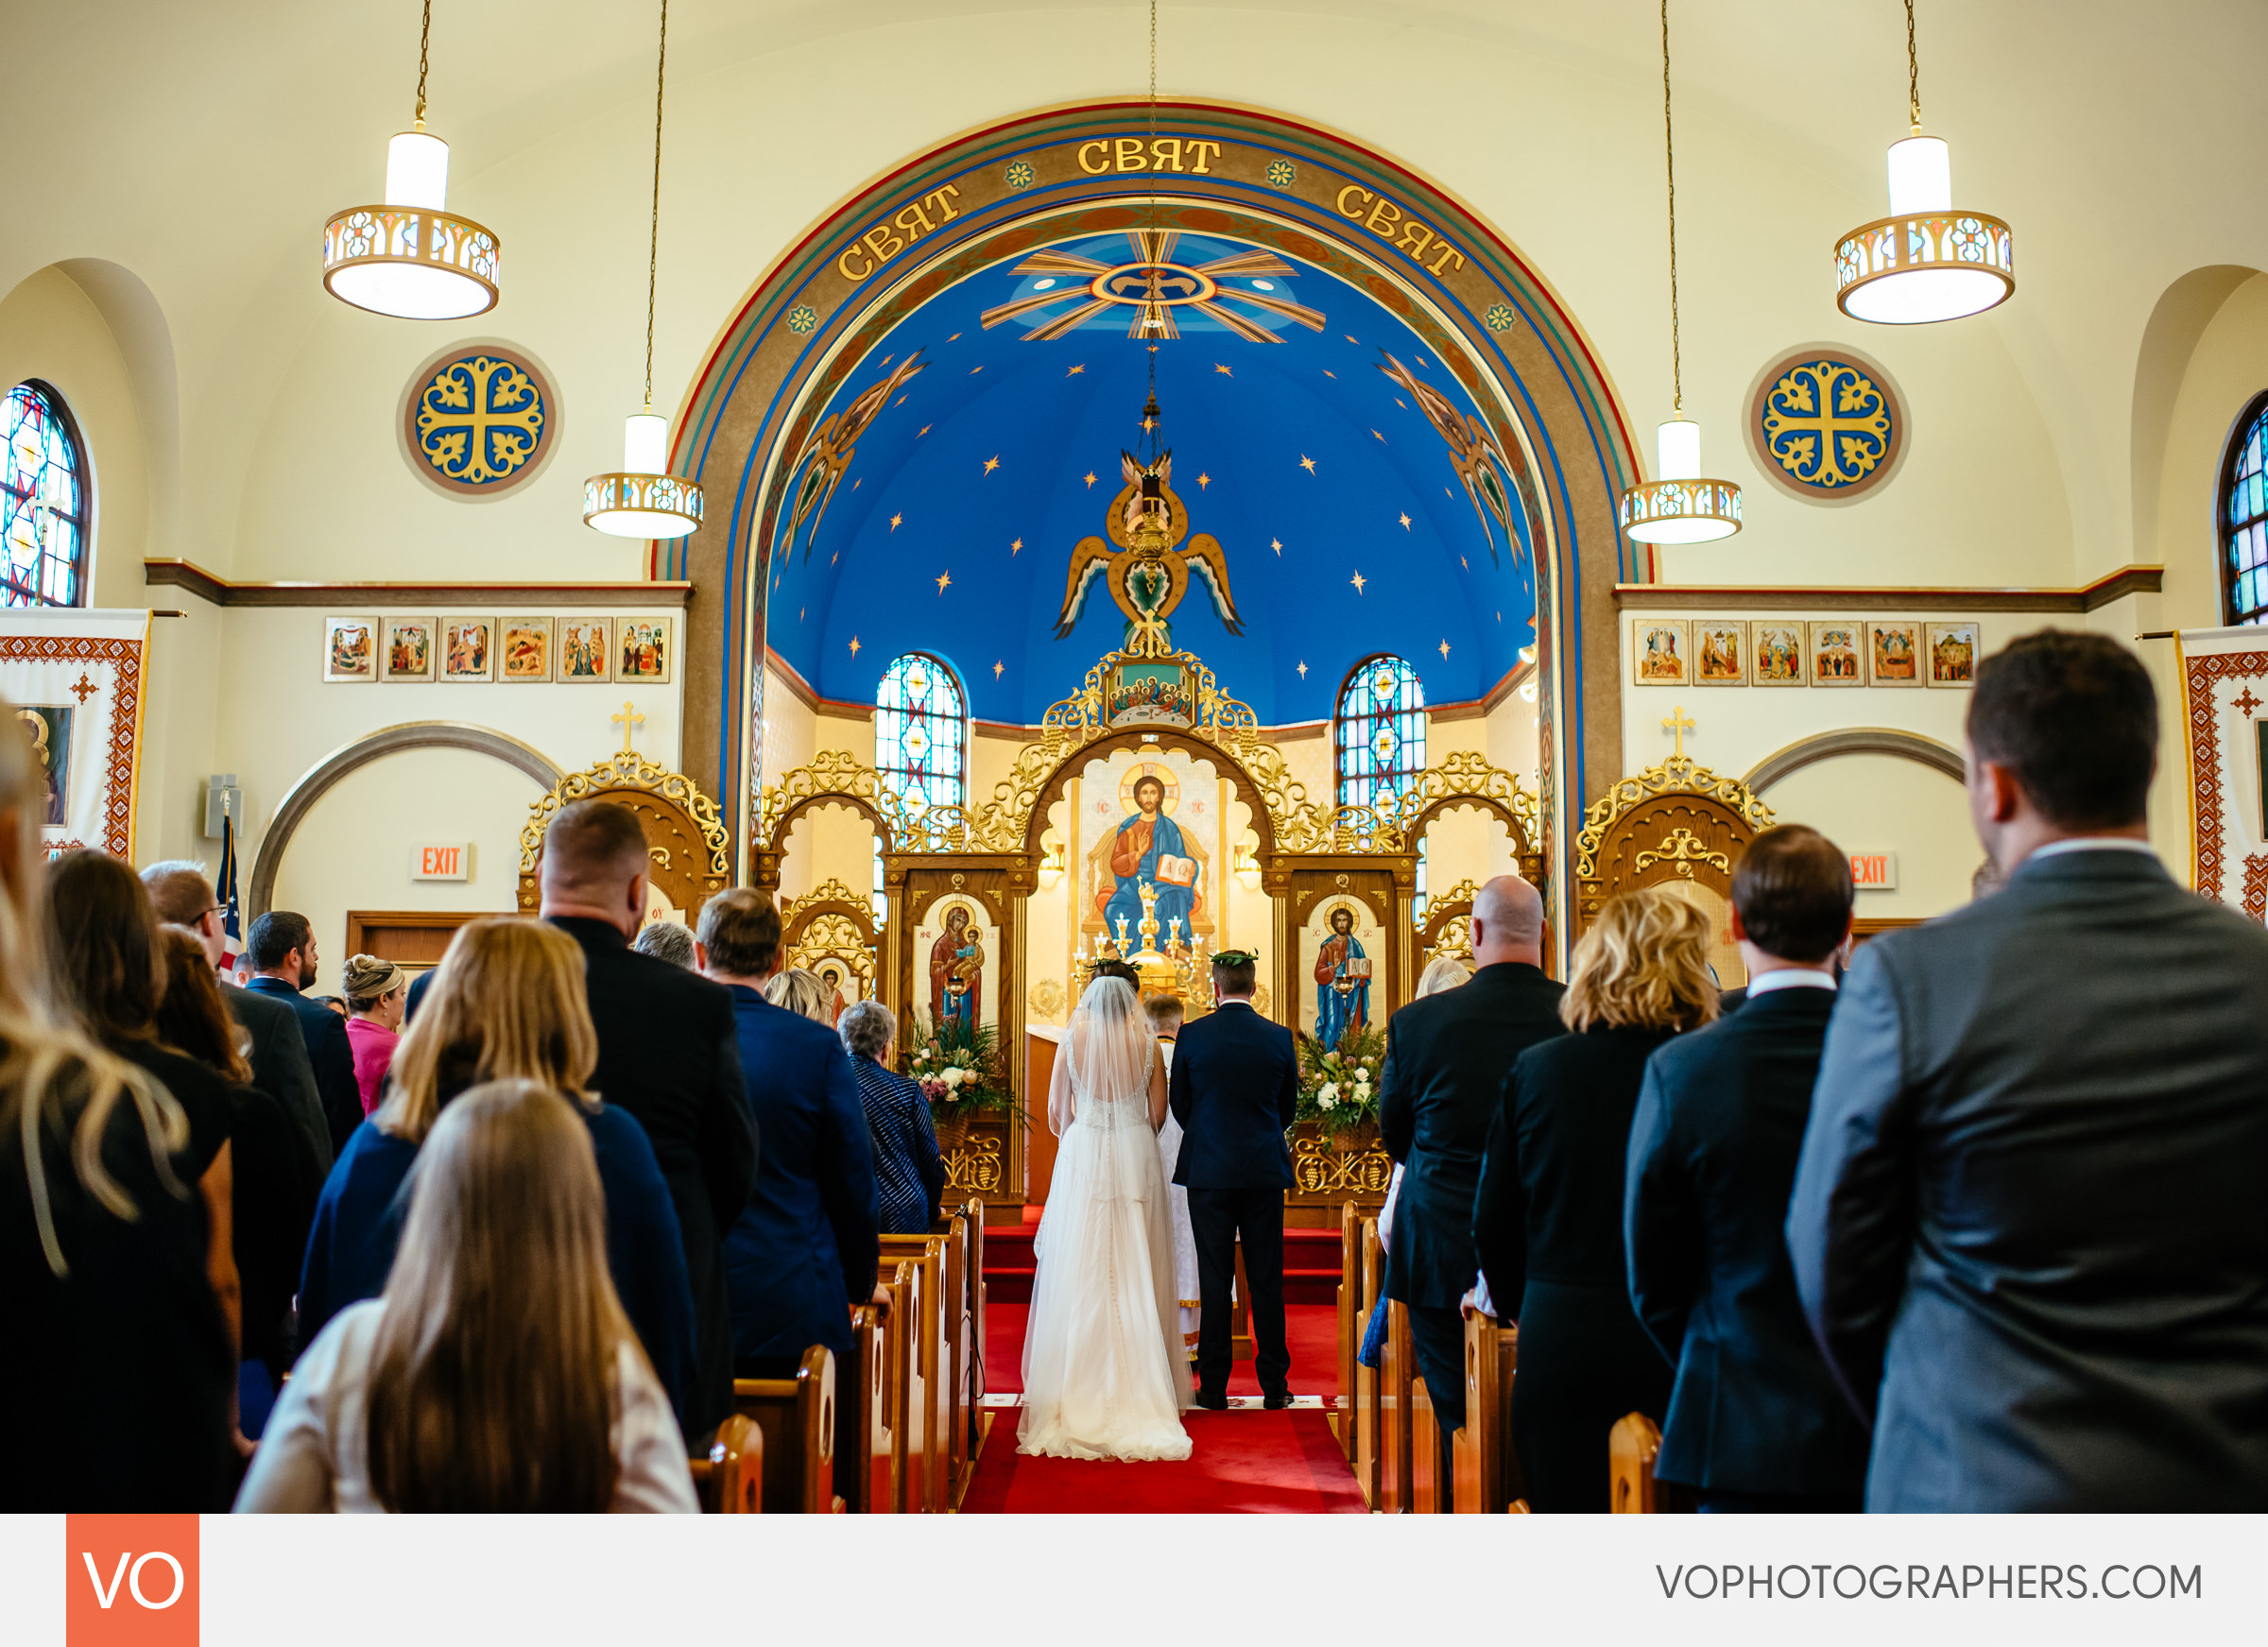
point(1339, 1086)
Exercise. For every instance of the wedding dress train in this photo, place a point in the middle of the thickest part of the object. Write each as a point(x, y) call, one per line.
point(1105, 1371)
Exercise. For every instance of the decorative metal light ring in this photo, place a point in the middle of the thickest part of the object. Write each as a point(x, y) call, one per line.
point(1681, 500)
point(1960, 242)
point(647, 494)
point(1678, 775)
point(411, 236)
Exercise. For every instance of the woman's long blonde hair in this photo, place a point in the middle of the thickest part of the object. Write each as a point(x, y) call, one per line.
point(509, 1003)
point(1643, 964)
point(493, 1378)
point(53, 1080)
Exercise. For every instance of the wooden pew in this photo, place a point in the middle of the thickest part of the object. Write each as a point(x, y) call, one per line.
point(1631, 1445)
point(862, 1387)
point(1394, 1378)
point(934, 1409)
point(895, 1474)
point(1485, 1466)
point(1369, 1415)
point(797, 1416)
point(1428, 1481)
point(730, 1479)
point(1348, 1302)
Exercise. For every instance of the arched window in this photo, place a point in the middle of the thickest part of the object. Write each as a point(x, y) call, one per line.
point(2245, 519)
point(44, 501)
point(1380, 732)
point(920, 735)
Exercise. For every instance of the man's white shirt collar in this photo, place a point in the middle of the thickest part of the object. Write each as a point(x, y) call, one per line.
point(1790, 978)
point(2091, 844)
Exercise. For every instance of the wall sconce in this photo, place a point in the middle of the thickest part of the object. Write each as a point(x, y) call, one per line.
point(1051, 865)
point(1247, 864)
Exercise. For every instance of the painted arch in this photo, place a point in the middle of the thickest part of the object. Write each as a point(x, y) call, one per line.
point(816, 322)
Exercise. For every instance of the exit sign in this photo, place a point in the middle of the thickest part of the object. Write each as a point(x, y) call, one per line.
point(1874, 871)
point(441, 861)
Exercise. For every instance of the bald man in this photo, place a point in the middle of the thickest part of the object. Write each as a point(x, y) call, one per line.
point(668, 1053)
point(1447, 1056)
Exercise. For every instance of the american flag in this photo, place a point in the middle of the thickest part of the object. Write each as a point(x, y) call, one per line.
point(231, 917)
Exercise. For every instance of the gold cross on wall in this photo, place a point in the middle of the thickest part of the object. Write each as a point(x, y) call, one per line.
point(1679, 723)
point(628, 719)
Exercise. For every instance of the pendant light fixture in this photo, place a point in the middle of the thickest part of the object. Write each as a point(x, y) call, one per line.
point(1925, 260)
point(408, 257)
point(1678, 506)
point(643, 499)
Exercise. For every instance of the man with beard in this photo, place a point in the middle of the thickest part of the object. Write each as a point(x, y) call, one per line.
point(281, 946)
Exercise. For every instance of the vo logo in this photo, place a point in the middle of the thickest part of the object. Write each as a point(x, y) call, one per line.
point(130, 1581)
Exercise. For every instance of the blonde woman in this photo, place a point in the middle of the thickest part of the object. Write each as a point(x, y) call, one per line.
point(800, 991)
point(103, 1258)
point(497, 1372)
point(506, 1003)
point(377, 998)
point(1548, 1219)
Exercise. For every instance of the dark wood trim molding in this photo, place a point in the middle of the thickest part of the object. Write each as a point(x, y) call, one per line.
point(1733, 598)
point(220, 592)
point(1854, 741)
point(376, 747)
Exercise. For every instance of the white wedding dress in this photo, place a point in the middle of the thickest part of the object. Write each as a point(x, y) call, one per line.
point(1104, 1373)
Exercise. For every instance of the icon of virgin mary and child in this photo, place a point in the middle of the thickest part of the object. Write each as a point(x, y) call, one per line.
point(1150, 846)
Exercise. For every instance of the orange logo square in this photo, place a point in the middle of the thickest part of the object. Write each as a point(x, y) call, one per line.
point(129, 1581)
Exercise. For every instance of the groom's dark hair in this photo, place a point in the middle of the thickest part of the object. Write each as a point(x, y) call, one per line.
point(1235, 977)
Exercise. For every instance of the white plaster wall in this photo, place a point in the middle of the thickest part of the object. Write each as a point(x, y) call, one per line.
point(352, 851)
point(1880, 803)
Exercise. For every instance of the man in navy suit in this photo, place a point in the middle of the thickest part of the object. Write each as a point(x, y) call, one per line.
point(1236, 1089)
point(281, 946)
point(804, 1249)
point(1755, 1422)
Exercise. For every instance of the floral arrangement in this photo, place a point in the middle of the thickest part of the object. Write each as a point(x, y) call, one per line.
point(959, 1071)
point(1339, 1086)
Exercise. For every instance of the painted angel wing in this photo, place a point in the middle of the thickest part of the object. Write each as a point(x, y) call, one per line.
point(1088, 562)
point(1207, 562)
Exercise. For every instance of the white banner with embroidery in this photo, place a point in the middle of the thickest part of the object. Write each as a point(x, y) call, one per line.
point(73, 678)
point(2225, 689)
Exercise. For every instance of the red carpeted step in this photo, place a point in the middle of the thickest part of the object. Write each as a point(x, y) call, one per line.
point(1311, 1264)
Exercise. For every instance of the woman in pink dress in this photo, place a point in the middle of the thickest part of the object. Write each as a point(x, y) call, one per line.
point(377, 994)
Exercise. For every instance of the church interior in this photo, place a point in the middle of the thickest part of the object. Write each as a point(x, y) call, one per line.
point(1077, 484)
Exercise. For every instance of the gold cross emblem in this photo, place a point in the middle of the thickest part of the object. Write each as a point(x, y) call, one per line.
point(1827, 423)
point(479, 419)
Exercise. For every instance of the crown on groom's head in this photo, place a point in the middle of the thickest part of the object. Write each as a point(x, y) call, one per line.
point(1235, 958)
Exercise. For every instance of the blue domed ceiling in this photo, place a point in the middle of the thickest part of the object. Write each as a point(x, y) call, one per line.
point(1359, 504)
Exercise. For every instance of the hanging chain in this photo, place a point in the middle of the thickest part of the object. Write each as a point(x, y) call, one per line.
point(653, 253)
point(1913, 74)
point(1669, 153)
point(424, 38)
point(1150, 251)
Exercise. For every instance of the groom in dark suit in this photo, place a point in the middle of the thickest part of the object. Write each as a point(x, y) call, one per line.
point(1235, 1089)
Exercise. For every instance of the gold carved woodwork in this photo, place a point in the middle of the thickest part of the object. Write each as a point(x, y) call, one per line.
point(1047, 1000)
point(692, 854)
point(1673, 821)
point(1322, 1165)
point(830, 890)
point(1448, 929)
point(1682, 849)
point(970, 1150)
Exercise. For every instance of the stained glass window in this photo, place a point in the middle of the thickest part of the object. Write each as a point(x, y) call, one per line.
point(920, 737)
point(1380, 732)
point(43, 502)
point(2245, 519)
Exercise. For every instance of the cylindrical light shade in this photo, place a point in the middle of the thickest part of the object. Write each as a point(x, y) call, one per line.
point(417, 170)
point(645, 500)
point(408, 257)
point(1680, 506)
point(646, 443)
point(1927, 261)
point(1677, 449)
point(1921, 176)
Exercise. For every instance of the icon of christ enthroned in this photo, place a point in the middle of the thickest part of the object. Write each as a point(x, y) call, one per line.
point(1145, 572)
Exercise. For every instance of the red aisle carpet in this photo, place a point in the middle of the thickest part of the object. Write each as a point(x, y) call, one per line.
point(1241, 1462)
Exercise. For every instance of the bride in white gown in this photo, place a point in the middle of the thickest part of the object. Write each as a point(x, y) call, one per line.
point(1105, 1372)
